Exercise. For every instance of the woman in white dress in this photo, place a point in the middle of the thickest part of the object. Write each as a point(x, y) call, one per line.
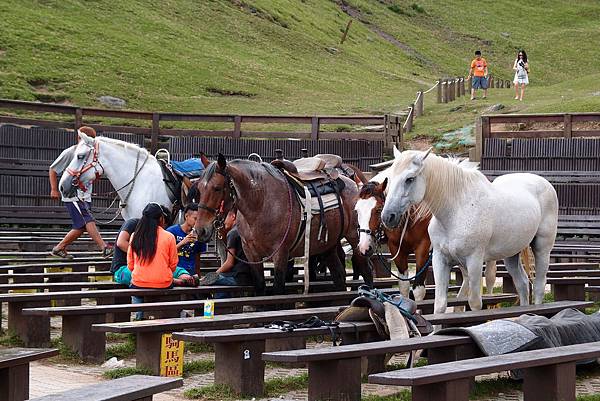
point(521, 67)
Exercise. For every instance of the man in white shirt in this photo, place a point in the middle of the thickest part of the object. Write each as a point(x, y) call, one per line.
point(79, 206)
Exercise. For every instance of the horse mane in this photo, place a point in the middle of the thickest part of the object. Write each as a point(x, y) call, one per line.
point(123, 144)
point(446, 179)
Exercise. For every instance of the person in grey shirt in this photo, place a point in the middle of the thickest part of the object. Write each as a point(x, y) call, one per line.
point(78, 207)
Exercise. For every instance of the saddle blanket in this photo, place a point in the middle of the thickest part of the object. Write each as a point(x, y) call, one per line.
point(190, 168)
point(330, 202)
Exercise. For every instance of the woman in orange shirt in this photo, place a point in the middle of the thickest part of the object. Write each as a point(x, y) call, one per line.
point(152, 254)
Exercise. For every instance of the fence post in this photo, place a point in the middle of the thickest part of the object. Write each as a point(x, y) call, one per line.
point(470, 85)
point(419, 105)
point(445, 91)
point(458, 79)
point(491, 82)
point(78, 118)
point(475, 154)
point(568, 132)
point(237, 126)
point(508, 83)
point(155, 132)
point(451, 86)
point(462, 86)
point(314, 132)
point(485, 133)
point(400, 137)
point(386, 131)
point(439, 91)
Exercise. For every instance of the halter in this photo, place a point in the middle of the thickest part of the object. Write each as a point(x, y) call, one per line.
point(220, 212)
point(94, 164)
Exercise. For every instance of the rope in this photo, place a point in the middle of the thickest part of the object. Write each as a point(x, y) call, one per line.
point(432, 88)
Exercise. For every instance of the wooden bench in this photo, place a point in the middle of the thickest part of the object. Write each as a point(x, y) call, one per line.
point(77, 321)
point(509, 286)
point(572, 288)
point(34, 331)
point(148, 333)
point(130, 388)
point(548, 374)
point(14, 371)
point(343, 363)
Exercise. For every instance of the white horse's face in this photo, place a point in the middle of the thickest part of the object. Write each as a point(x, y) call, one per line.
point(407, 186)
point(72, 179)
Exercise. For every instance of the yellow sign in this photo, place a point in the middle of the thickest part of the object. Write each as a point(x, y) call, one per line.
point(171, 356)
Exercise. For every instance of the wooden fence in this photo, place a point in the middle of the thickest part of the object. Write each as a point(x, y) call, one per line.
point(29, 142)
point(563, 147)
point(449, 89)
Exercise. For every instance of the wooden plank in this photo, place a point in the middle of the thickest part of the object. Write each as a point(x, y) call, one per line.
point(128, 114)
point(228, 118)
point(195, 132)
point(19, 356)
point(37, 106)
point(474, 367)
point(527, 134)
point(354, 135)
point(37, 122)
point(134, 387)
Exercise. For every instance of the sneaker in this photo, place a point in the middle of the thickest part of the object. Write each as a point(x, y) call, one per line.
point(61, 253)
point(473, 98)
point(516, 97)
point(107, 252)
point(209, 278)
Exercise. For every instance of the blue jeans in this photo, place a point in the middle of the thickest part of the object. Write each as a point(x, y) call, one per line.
point(224, 279)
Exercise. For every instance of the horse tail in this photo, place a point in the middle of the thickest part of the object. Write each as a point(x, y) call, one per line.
point(529, 267)
point(358, 173)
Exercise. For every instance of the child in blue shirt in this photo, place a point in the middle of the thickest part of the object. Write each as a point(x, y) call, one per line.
point(188, 246)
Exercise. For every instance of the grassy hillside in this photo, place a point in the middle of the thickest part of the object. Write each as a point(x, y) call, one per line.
point(285, 56)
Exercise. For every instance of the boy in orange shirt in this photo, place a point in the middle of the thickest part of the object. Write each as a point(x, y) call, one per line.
point(479, 72)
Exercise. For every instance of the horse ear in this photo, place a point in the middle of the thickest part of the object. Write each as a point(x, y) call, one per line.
point(221, 162)
point(426, 154)
point(384, 184)
point(397, 153)
point(84, 137)
point(204, 159)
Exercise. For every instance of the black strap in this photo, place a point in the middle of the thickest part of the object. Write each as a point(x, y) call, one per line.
point(323, 222)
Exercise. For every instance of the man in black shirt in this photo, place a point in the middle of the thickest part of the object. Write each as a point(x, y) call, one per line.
point(234, 271)
point(121, 273)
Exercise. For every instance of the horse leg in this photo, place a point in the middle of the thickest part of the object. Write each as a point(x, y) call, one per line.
point(541, 247)
point(490, 276)
point(463, 292)
point(421, 257)
point(401, 262)
point(281, 263)
point(474, 270)
point(441, 275)
point(337, 270)
point(520, 280)
point(359, 262)
point(258, 277)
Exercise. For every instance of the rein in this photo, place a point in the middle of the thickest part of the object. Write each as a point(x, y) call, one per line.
point(220, 216)
point(122, 202)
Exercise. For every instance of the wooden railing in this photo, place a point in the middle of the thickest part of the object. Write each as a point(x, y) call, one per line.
point(449, 89)
point(152, 128)
point(495, 126)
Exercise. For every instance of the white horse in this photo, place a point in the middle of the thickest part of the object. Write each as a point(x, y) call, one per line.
point(366, 211)
point(133, 172)
point(475, 220)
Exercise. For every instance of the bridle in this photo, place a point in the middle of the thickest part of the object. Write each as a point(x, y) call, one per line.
point(379, 235)
point(94, 164)
point(220, 215)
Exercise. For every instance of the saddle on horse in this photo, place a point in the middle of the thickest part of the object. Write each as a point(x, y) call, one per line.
point(178, 176)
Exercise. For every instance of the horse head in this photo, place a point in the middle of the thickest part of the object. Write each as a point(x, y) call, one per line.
point(215, 197)
point(368, 207)
point(407, 185)
point(84, 167)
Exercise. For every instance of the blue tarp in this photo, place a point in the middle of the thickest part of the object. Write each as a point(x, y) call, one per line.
point(190, 167)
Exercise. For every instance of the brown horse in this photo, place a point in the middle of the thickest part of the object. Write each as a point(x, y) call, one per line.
point(415, 239)
point(269, 218)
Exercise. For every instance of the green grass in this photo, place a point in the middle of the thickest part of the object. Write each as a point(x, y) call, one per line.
point(593, 397)
point(491, 387)
point(199, 348)
point(10, 339)
point(273, 388)
point(285, 57)
point(403, 395)
point(65, 354)
point(122, 350)
point(122, 372)
point(198, 367)
point(215, 392)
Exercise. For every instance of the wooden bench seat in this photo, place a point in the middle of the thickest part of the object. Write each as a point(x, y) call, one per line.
point(130, 388)
point(343, 363)
point(77, 321)
point(549, 374)
point(14, 371)
point(573, 288)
